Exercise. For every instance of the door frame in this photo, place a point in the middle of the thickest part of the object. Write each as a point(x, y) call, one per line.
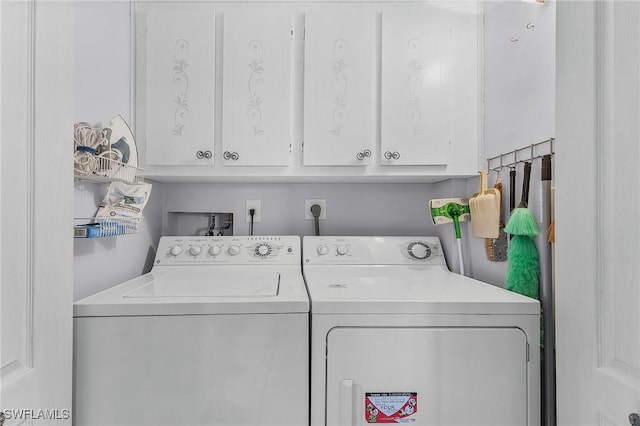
point(44, 379)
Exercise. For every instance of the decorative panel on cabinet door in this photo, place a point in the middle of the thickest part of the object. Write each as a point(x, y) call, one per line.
point(415, 86)
point(256, 113)
point(339, 51)
point(178, 101)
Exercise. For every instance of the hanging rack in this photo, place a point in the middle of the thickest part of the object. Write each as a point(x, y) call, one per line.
point(534, 152)
point(540, 150)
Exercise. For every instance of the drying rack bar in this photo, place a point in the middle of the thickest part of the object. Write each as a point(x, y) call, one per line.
point(533, 150)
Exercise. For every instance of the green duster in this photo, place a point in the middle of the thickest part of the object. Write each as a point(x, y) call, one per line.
point(523, 270)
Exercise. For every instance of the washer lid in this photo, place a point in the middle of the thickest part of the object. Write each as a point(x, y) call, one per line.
point(206, 290)
point(243, 283)
point(382, 289)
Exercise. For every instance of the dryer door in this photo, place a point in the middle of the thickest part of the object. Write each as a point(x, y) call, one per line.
point(427, 376)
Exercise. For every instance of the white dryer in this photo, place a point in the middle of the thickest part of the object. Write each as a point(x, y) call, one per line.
point(398, 338)
point(216, 334)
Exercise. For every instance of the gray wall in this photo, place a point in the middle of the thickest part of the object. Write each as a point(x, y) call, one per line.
point(100, 263)
point(102, 91)
point(352, 209)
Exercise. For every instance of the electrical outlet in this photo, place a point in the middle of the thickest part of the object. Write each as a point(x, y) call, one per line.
point(252, 204)
point(321, 203)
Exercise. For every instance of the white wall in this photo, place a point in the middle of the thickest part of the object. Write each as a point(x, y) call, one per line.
point(519, 76)
point(102, 60)
point(102, 91)
point(519, 102)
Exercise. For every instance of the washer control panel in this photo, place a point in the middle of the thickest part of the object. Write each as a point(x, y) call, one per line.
point(419, 250)
point(283, 250)
point(372, 250)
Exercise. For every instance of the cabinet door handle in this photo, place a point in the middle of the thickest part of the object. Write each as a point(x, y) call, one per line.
point(204, 154)
point(230, 156)
point(389, 155)
point(361, 155)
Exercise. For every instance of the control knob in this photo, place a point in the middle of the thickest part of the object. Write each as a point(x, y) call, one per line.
point(175, 250)
point(233, 250)
point(342, 250)
point(419, 250)
point(214, 250)
point(263, 250)
point(322, 249)
point(195, 250)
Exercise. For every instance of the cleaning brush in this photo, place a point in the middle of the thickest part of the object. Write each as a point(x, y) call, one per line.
point(496, 248)
point(522, 221)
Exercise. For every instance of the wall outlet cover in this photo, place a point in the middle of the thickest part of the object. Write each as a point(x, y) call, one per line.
point(253, 204)
point(307, 208)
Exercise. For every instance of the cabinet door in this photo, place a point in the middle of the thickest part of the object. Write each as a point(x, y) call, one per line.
point(415, 86)
point(257, 52)
point(179, 92)
point(339, 51)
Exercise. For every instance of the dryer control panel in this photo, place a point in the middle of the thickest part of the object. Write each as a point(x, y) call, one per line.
point(372, 250)
point(233, 250)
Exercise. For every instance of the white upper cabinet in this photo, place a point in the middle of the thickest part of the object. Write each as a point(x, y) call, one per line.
point(308, 90)
point(416, 86)
point(256, 87)
point(176, 83)
point(338, 85)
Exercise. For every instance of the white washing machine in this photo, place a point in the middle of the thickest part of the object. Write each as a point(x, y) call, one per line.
point(216, 334)
point(398, 338)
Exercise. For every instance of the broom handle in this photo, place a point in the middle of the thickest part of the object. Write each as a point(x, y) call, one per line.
point(461, 260)
point(456, 225)
point(546, 299)
point(512, 189)
point(524, 201)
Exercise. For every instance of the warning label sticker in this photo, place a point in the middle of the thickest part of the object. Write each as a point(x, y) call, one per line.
point(390, 407)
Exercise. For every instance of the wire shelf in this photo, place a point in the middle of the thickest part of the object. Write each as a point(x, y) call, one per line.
point(94, 168)
point(100, 227)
